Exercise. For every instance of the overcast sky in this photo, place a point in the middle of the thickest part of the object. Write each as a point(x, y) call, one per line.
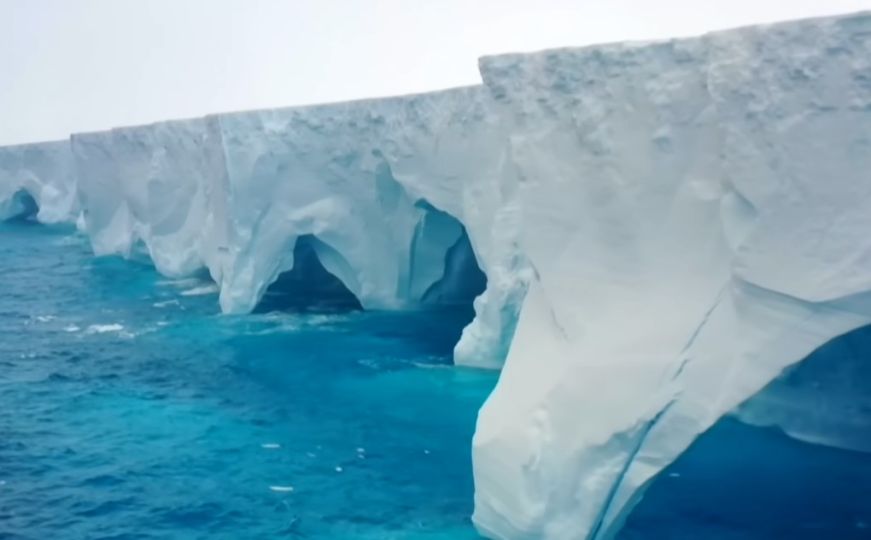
point(80, 65)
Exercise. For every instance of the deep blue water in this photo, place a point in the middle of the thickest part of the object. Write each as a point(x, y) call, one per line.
point(129, 408)
point(744, 483)
point(178, 422)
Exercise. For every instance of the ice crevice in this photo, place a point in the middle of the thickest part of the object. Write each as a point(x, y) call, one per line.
point(660, 230)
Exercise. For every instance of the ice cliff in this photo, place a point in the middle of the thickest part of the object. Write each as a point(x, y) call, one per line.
point(37, 177)
point(669, 226)
point(696, 215)
point(385, 187)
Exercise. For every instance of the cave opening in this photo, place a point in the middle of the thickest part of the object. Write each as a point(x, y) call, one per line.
point(444, 268)
point(22, 207)
point(436, 291)
point(445, 276)
point(462, 281)
point(794, 461)
point(308, 286)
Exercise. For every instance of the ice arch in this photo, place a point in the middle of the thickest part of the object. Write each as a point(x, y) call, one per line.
point(308, 285)
point(341, 173)
point(442, 270)
point(20, 206)
point(825, 399)
point(741, 481)
point(799, 465)
point(38, 174)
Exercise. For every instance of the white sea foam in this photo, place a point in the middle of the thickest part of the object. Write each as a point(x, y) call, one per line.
point(183, 283)
point(211, 288)
point(104, 328)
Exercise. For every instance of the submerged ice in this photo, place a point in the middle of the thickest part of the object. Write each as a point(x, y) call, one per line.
point(662, 229)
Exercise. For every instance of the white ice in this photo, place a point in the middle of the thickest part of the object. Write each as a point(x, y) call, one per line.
point(43, 172)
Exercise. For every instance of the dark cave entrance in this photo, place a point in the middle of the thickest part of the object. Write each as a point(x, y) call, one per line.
point(23, 207)
point(441, 284)
point(444, 269)
point(308, 286)
point(462, 281)
point(747, 478)
point(443, 257)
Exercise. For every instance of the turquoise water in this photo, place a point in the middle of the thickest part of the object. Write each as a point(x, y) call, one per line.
point(132, 410)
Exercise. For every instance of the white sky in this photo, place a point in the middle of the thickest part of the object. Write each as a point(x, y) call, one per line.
point(81, 65)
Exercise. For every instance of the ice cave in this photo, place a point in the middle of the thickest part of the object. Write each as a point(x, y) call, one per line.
point(20, 205)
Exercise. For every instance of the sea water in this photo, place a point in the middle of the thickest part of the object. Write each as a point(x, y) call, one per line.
point(131, 409)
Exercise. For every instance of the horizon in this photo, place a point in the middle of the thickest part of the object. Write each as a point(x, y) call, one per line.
point(70, 82)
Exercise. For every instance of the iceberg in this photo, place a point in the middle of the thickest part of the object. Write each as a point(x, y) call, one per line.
point(38, 179)
point(696, 215)
point(665, 228)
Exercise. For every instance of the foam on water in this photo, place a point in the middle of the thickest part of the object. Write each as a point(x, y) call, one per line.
point(201, 290)
point(103, 328)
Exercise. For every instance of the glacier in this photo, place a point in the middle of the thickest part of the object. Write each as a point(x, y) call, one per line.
point(665, 228)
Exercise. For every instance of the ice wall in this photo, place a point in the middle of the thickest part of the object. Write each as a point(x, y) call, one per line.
point(43, 172)
point(386, 187)
point(696, 213)
point(328, 171)
point(161, 185)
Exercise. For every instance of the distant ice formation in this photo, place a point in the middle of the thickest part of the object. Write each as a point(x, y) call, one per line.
point(664, 228)
point(37, 179)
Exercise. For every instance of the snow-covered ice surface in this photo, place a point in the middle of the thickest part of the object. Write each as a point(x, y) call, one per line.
point(668, 226)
